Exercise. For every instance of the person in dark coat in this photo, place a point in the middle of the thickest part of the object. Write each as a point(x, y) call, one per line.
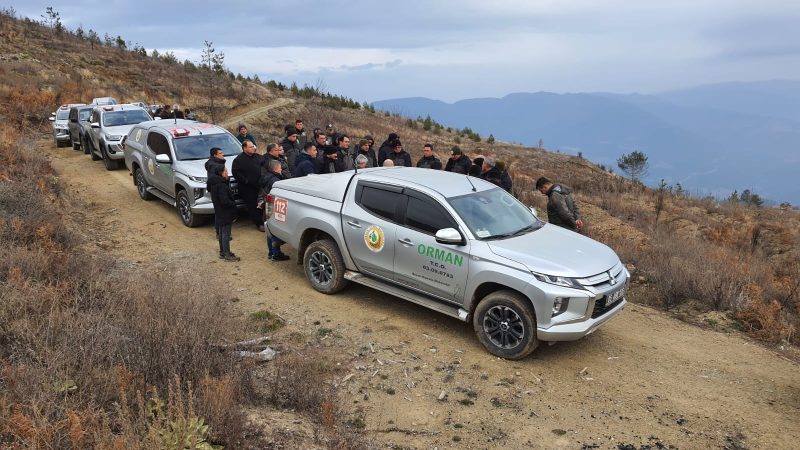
point(561, 207)
point(272, 173)
point(302, 136)
point(399, 156)
point(275, 152)
point(291, 147)
point(247, 171)
point(364, 149)
point(429, 160)
point(493, 175)
point(306, 162)
point(505, 178)
point(458, 163)
point(243, 135)
point(476, 169)
point(332, 160)
point(224, 208)
point(386, 147)
point(217, 157)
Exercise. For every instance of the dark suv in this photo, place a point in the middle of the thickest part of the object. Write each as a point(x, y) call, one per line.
point(77, 122)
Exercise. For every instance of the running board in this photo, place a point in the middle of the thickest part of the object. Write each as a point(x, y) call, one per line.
point(410, 296)
point(161, 195)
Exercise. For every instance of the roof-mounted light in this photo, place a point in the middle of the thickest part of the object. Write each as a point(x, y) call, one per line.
point(180, 132)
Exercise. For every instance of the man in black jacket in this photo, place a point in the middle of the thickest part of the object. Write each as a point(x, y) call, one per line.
point(399, 156)
point(224, 208)
point(561, 207)
point(217, 158)
point(364, 149)
point(306, 162)
point(291, 147)
point(271, 174)
point(429, 160)
point(386, 148)
point(333, 161)
point(275, 152)
point(494, 175)
point(247, 171)
point(458, 163)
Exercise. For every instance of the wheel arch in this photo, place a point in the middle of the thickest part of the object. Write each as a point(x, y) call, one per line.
point(488, 287)
point(311, 235)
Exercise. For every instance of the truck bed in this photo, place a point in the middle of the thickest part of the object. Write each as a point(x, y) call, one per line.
point(330, 186)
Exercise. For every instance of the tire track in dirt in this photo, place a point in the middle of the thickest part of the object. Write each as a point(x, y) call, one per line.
point(245, 116)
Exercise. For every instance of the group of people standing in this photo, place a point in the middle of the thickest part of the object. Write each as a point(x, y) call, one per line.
point(299, 154)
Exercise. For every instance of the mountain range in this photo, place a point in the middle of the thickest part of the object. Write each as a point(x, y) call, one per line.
point(711, 139)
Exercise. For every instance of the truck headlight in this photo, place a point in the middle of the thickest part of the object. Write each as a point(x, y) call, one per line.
point(558, 281)
point(198, 179)
point(114, 137)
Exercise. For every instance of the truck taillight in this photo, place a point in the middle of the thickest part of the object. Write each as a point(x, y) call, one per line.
point(270, 205)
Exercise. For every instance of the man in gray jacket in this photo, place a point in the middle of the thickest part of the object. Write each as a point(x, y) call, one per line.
point(561, 207)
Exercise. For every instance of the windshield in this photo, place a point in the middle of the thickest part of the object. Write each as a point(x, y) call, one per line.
point(494, 214)
point(62, 114)
point(130, 117)
point(197, 147)
point(84, 114)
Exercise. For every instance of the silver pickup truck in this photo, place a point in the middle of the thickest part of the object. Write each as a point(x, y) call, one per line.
point(452, 243)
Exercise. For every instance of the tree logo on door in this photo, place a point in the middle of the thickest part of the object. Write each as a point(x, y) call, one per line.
point(373, 237)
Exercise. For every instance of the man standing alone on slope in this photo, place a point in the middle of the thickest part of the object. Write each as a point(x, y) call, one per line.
point(561, 207)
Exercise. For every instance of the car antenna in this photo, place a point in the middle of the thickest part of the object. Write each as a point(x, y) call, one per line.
point(470, 183)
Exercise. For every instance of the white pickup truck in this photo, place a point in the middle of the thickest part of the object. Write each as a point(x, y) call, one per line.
point(454, 244)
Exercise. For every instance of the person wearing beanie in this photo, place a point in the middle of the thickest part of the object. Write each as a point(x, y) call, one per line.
point(243, 135)
point(399, 156)
point(476, 168)
point(386, 148)
point(429, 160)
point(291, 146)
point(458, 163)
point(334, 159)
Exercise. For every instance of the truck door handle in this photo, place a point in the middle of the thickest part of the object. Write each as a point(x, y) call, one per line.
point(354, 224)
point(405, 242)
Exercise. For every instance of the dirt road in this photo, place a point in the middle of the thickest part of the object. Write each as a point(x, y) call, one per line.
point(244, 116)
point(643, 379)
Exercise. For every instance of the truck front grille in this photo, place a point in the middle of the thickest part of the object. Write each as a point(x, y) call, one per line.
point(603, 280)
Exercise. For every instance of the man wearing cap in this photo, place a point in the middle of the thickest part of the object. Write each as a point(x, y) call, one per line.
point(561, 207)
point(399, 156)
point(291, 146)
point(458, 163)
point(386, 148)
point(244, 135)
point(330, 134)
point(494, 175)
point(476, 169)
point(365, 150)
point(429, 160)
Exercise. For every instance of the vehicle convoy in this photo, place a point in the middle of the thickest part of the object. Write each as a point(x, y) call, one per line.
point(78, 124)
point(167, 160)
point(60, 119)
point(455, 244)
point(108, 125)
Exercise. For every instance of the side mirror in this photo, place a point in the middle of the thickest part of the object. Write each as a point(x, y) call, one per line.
point(52, 118)
point(449, 236)
point(156, 118)
point(95, 124)
point(162, 158)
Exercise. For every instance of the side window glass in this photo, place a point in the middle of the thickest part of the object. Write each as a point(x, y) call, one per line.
point(380, 202)
point(158, 144)
point(426, 216)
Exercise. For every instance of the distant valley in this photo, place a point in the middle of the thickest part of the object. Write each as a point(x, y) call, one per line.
point(712, 139)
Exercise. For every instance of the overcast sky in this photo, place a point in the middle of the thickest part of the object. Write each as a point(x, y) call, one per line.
point(451, 50)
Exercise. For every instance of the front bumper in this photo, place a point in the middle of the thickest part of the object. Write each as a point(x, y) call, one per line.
point(61, 134)
point(115, 150)
point(575, 330)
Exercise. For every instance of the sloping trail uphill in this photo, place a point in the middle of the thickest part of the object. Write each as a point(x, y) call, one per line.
point(642, 379)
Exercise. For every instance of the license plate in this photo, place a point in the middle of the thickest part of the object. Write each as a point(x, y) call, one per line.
point(615, 296)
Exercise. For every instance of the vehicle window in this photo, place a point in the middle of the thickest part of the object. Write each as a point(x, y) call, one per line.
point(426, 216)
point(381, 203)
point(158, 144)
point(494, 214)
point(197, 147)
point(84, 114)
point(130, 117)
point(62, 114)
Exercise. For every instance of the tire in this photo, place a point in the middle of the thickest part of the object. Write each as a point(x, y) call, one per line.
point(141, 185)
point(85, 145)
point(505, 323)
point(184, 206)
point(110, 164)
point(324, 266)
point(92, 151)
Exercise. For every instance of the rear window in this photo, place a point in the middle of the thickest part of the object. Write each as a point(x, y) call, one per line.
point(84, 114)
point(130, 117)
point(62, 114)
point(380, 202)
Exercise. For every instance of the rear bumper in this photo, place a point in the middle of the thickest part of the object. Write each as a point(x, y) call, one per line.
point(576, 330)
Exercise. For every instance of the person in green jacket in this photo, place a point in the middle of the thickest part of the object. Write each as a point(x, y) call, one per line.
point(243, 135)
